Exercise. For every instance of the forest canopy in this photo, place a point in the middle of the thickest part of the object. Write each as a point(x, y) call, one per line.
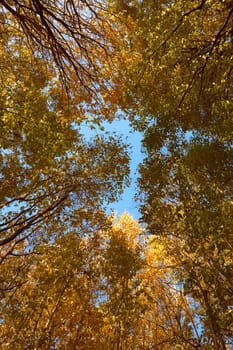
point(71, 275)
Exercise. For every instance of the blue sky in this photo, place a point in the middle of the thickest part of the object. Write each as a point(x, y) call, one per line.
point(133, 138)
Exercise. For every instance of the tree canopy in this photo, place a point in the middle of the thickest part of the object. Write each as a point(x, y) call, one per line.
point(178, 91)
point(71, 275)
point(67, 31)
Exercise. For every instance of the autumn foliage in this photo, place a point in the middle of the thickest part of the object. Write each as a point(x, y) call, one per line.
point(71, 275)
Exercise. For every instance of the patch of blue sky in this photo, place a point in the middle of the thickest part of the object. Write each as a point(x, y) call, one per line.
point(122, 128)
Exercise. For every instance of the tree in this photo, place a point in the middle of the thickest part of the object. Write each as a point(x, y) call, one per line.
point(179, 63)
point(61, 296)
point(103, 289)
point(71, 33)
point(47, 169)
point(177, 90)
point(55, 306)
point(121, 269)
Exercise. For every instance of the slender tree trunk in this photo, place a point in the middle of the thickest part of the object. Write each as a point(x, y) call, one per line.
point(219, 343)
